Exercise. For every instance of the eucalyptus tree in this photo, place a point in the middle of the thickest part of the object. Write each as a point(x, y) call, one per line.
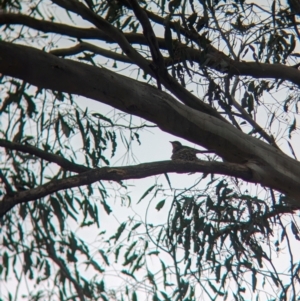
point(220, 74)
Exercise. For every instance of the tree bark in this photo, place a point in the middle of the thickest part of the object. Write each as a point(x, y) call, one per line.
point(123, 173)
point(269, 166)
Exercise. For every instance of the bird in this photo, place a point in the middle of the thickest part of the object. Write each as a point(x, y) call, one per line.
point(185, 153)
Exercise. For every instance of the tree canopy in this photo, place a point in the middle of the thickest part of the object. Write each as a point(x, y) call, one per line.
point(223, 75)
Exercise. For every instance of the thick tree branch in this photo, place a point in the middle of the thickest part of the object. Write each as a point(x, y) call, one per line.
point(114, 33)
point(270, 167)
point(125, 173)
point(168, 81)
point(62, 162)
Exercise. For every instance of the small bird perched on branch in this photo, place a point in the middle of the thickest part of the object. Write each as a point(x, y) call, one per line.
point(185, 153)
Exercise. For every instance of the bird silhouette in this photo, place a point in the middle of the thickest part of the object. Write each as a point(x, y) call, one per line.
point(185, 153)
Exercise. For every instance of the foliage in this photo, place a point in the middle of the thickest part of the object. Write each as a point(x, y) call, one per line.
point(219, 237)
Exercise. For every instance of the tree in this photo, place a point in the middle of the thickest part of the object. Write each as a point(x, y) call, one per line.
point(223, 75)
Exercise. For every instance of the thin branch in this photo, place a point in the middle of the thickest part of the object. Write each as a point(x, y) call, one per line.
point(62, 162)
point(71, 31)
point(83, 46)
point(8, 187)
point(49, 26)
point(212, 10)
point(247, 117)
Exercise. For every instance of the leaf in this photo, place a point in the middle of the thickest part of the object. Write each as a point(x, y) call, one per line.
point(57, 211)
point(135, 226)
point(130, 248)
point(69, 200)
point(101, 286)
point(164, 270)
point(160, 205)
point(168, 180)
point(65, 127)
point(23, 210)
point(275, 280)
point(254, 280)
point(137, 136)
point(292, 128)
point(28, 261)
point(106, 207)
point(100, 116)
point(96, 266)
point(80, 125)
point(117, 252)
point(272, 119)
point(215, 289)
point(126, 22)
point(134, 296)
point(150, 277)
point(251, 86)
point(128, 274)
point(31, 108)
point(120, 231)
point(218, 273)
point(295, 230)
point(47, 272)
point(286, 103)
point(250, 103)
point(5, 261)
point(146, 193)
point(105, 258)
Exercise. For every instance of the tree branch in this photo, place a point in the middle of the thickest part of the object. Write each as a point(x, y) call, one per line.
point(124, 173)
point(114, 33)
point(151, 39)
point(71, 31)
point(168, 81)
point(247, 117)
point(83, 46)
point(270, 166)
point(62, 162)
point(49, 26)
point(7, 186)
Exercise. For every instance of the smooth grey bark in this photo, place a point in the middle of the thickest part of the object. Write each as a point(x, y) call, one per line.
point(269, 166)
